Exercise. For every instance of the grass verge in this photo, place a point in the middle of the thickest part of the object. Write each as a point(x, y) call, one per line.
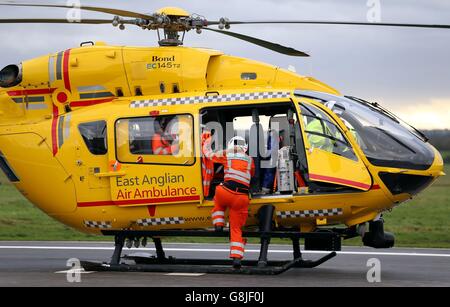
point(422, 222)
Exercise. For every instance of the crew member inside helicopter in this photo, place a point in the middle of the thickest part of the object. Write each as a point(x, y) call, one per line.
point(269, 173)
point(163, 141)
point(314, 129)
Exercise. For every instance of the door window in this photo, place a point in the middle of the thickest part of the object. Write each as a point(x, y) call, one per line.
point(164, 139)
point(94, 136)
point(323, 133)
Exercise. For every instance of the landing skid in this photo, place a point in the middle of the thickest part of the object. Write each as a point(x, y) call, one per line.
point(204, 266)
point(161, 263)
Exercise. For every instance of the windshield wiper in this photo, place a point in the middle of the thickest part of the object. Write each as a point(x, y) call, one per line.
point(420, 133)
point(376, 107)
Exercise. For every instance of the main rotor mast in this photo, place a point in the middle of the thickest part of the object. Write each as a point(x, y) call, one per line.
point(174, 23)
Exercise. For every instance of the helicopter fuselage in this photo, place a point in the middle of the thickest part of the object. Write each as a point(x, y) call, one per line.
point(72, 140)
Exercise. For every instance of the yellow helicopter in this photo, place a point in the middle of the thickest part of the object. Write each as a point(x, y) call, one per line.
point(77, 133)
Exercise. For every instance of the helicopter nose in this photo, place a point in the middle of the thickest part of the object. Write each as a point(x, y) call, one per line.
point(398, 183)
point(413, 184)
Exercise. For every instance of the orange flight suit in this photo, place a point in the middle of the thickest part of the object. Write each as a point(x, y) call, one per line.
point(239, 168)
point(160, 146)
point(207, 164)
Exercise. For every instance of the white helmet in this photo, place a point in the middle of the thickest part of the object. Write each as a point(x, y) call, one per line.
point(237, 141)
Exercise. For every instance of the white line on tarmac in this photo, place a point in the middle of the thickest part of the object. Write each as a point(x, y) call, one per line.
point(221, 250)
point(185, 274)
point(74, 271)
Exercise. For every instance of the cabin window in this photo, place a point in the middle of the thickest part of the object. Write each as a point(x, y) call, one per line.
point(164, 139)
point(94, 136)
point(324, 134)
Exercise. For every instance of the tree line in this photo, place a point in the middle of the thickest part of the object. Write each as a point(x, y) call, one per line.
point(441, 140)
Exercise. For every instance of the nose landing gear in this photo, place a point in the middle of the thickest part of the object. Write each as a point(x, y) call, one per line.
point(377, 237)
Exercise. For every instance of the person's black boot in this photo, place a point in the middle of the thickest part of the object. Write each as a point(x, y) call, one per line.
point(218, 228)
point(237, 263)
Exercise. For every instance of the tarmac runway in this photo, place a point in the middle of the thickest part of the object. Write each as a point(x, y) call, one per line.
point(45, 264)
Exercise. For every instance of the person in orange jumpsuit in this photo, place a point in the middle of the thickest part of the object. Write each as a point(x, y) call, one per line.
point(207, 164)
point(162, 142)
point(233, 193)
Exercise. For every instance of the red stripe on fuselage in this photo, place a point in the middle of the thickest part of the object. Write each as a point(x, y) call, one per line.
point(54, 136)
point(43, 91)
point(136, 201)
point(66, 70)
point(339, 181)
point(96, 204)
point(87, 103)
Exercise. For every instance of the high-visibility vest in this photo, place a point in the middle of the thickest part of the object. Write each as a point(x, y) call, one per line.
point(161, 146)
point(207, 164)
point(238, 168)
point(317, 141)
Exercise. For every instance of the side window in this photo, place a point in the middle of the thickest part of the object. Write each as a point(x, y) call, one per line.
point(155, 140)
point(323, 133)
point(94, 136)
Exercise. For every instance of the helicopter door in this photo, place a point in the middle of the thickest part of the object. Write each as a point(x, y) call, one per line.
point(155, 161)
point(90, 151)
point(330, 156)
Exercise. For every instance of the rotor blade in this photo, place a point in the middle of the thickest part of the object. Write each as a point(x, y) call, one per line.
point(262, 43)
point(408, 25)
point(122, 13)
point(82, 21)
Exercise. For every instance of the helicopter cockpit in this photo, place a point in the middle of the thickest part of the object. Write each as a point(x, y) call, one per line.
point(385, 139)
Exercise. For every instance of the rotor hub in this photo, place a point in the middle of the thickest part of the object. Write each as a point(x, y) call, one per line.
point(172, 11)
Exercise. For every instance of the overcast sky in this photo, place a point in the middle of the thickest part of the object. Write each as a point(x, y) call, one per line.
point(406, 70)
